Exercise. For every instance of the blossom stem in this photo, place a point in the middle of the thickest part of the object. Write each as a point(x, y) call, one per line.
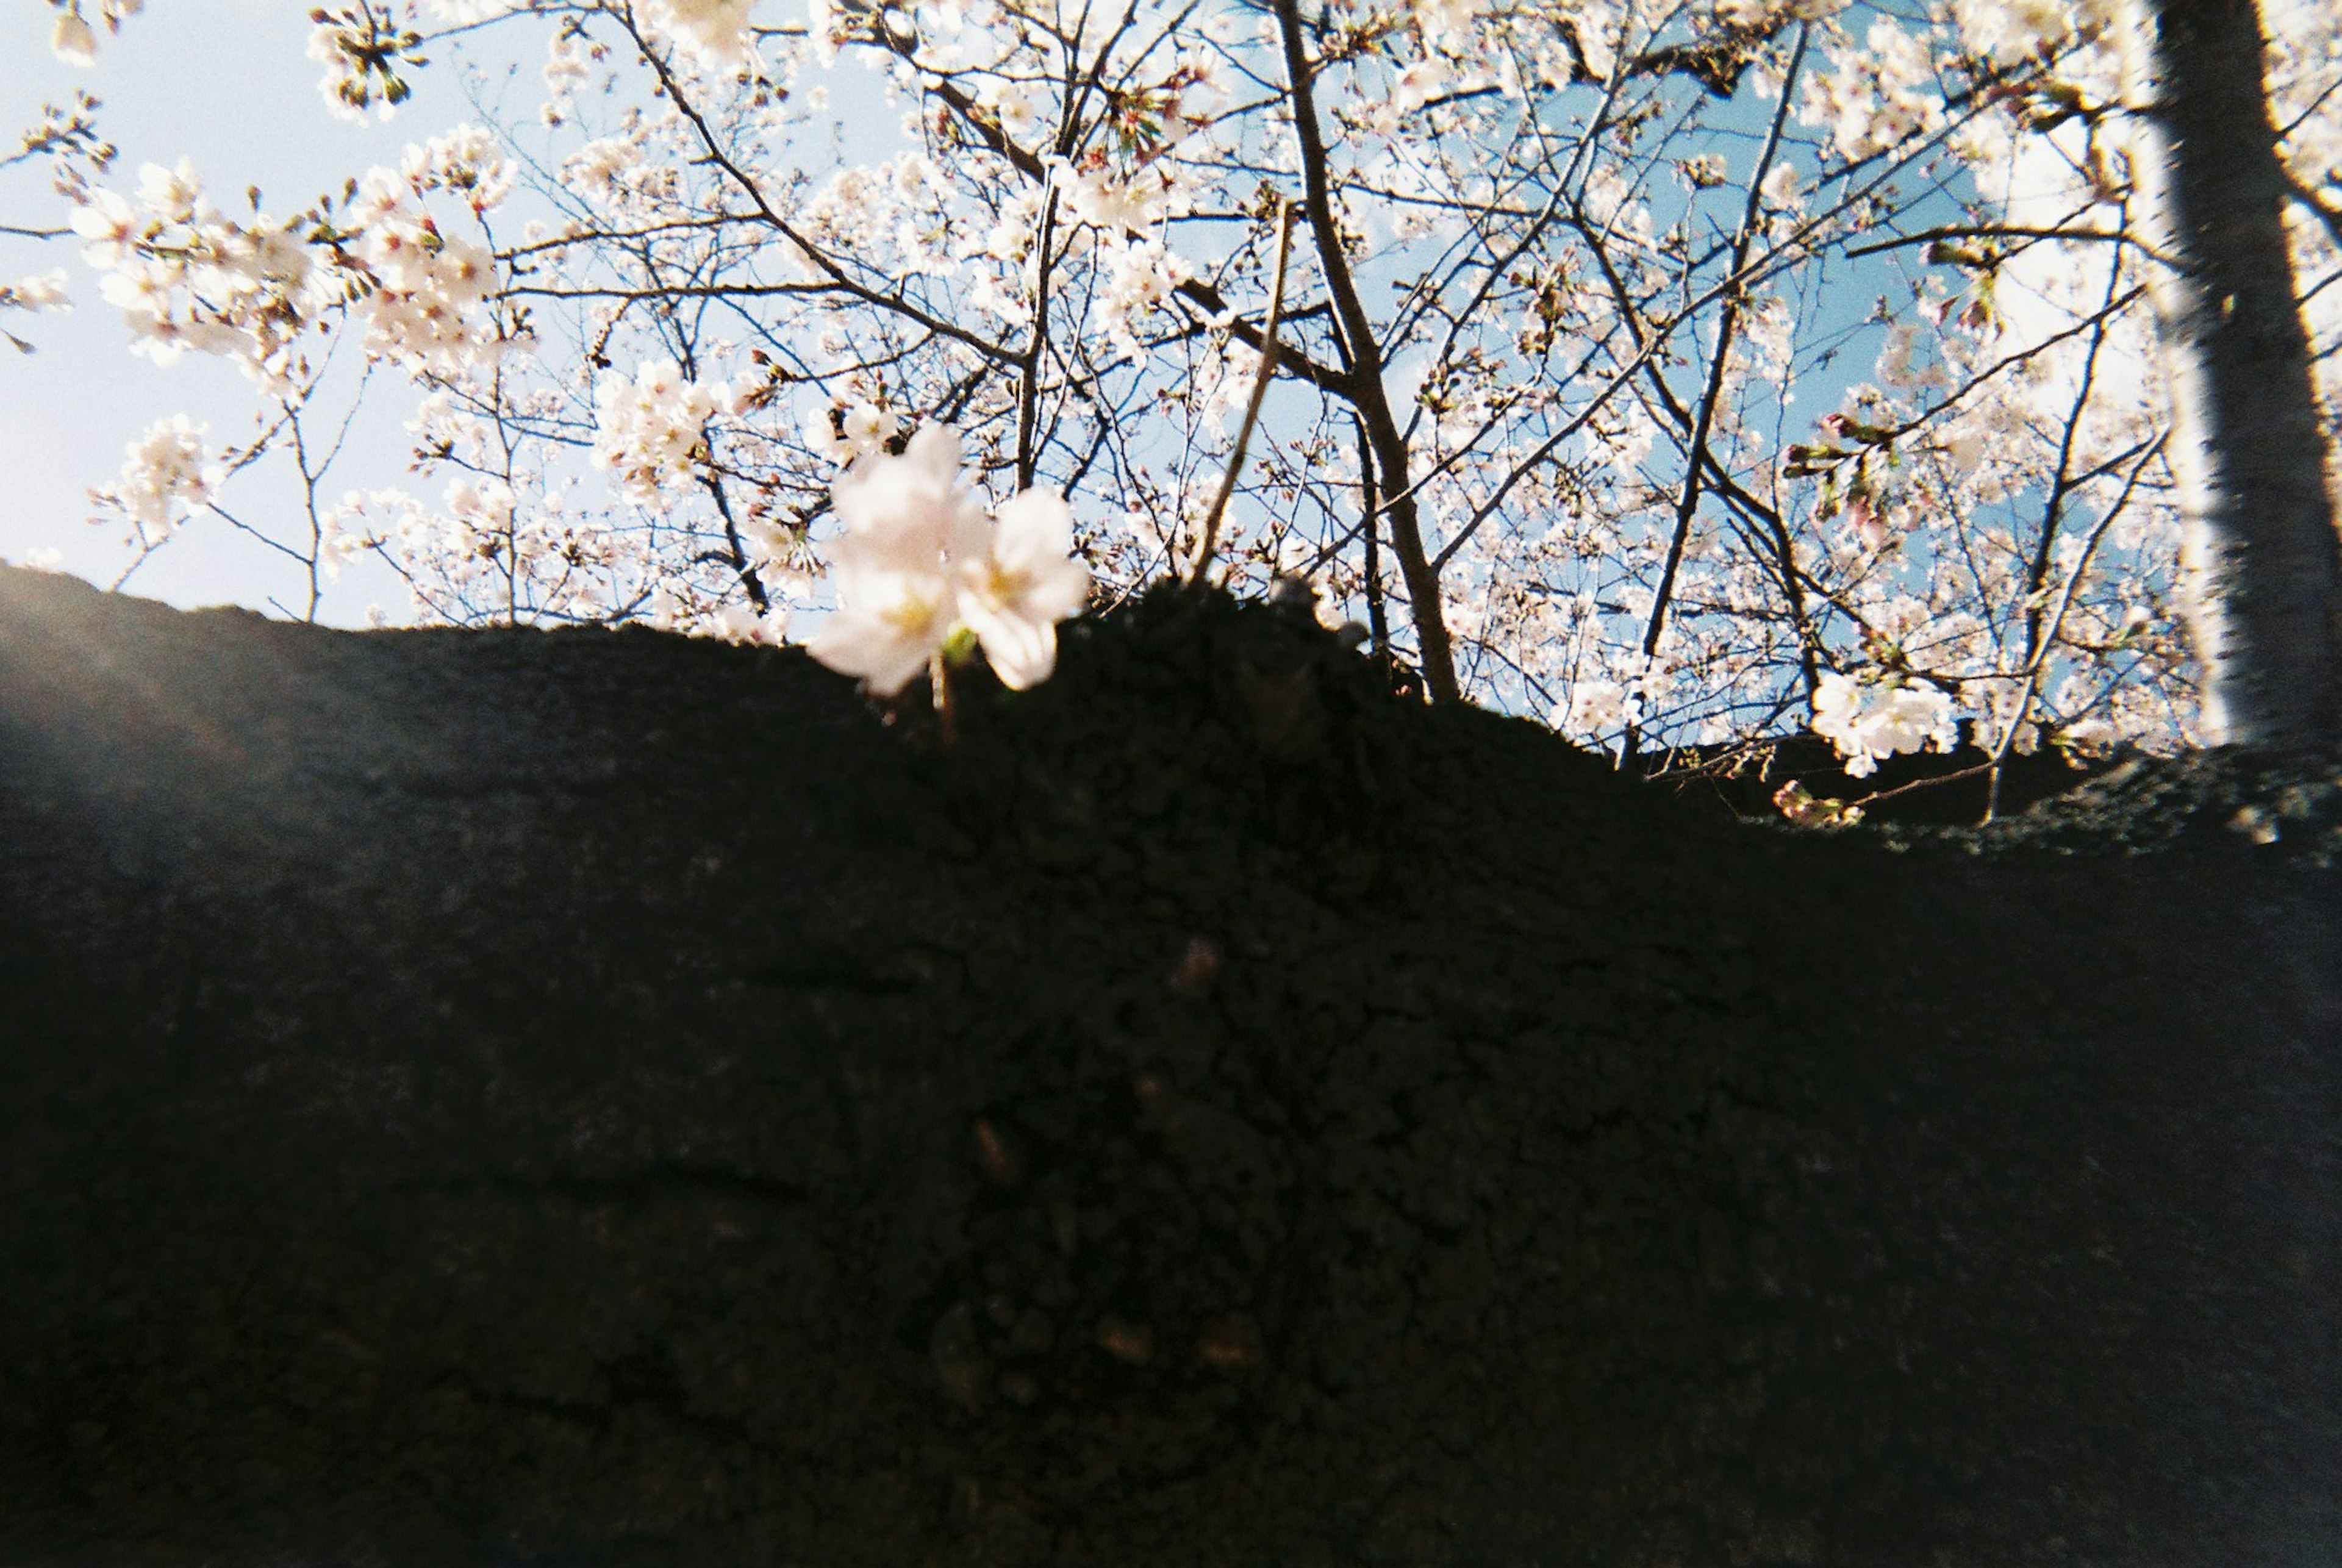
point(939, 681)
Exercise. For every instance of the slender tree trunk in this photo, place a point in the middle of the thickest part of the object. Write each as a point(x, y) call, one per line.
point(1365, 381)
point(2261, 569)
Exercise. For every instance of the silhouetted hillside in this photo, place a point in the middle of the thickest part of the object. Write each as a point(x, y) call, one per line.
point(600, 1098)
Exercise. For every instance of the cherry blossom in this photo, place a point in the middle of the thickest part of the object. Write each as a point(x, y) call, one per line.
point(166, 471)
point(1880, 94)
point(187, 276)
point(716, 30)
point(1595, 708)
point(362, 49)
point(649, 428)
point(740, 623)
point(1019, 581)
point(1139, 277)
point(74, 40)
point(1115, 201)
point(919, 559)
point(37, 291)
point(891, 569)
point(841, 433)
point(1867, 720)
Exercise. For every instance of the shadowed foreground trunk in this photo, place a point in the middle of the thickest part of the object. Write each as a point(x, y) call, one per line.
point(2262, 565)
point(595, 1098)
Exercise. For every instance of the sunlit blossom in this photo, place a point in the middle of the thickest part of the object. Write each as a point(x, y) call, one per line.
point(167, 471)
point(716, 31)
point(1024, 580)
point(918, 559)
point(38, 290)
point(1870, 720)
point(649, 427)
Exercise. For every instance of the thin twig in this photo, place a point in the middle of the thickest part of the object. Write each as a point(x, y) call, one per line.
point(1028, 387)
point(2039, 654)
point(1703, 419)
point(1261, 379)
point(1929, 781)
point(2010, 232)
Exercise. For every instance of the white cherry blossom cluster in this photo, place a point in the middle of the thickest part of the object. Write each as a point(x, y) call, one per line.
point(166, 473)
point(1115, 201)
point(919, 562)
point(2010, 32)
point(1140, 274)
point(850, 213)
point(493, 551)
point(1011, 237)
point(1595, 708)
point(610, 171)
point(744, 624)
point(186, 276)
point(568, 62)
point(651, 428)
point(1221, 383)
point(715, 31)
point(465, 161)
point(1014, 106)
point(1450, 25)
point(1760, 13)
point(685, 608)
point(842, 432)
point(1868, 720)
point(480, 508)
point(361, 521)
point(425, 286)
point(37, 291)
point(362, 47)
point(1876, 95)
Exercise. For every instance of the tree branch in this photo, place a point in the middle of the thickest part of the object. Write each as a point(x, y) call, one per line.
point(1367, 393)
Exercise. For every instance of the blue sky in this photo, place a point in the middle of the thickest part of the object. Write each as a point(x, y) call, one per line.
point(229, 84)
point(226, 82)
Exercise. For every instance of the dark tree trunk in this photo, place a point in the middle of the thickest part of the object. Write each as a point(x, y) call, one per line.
point(2261, 561)
point(595, 1098)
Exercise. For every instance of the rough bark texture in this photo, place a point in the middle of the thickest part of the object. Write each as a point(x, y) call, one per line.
point(595, 1098)
point(2262, 563)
